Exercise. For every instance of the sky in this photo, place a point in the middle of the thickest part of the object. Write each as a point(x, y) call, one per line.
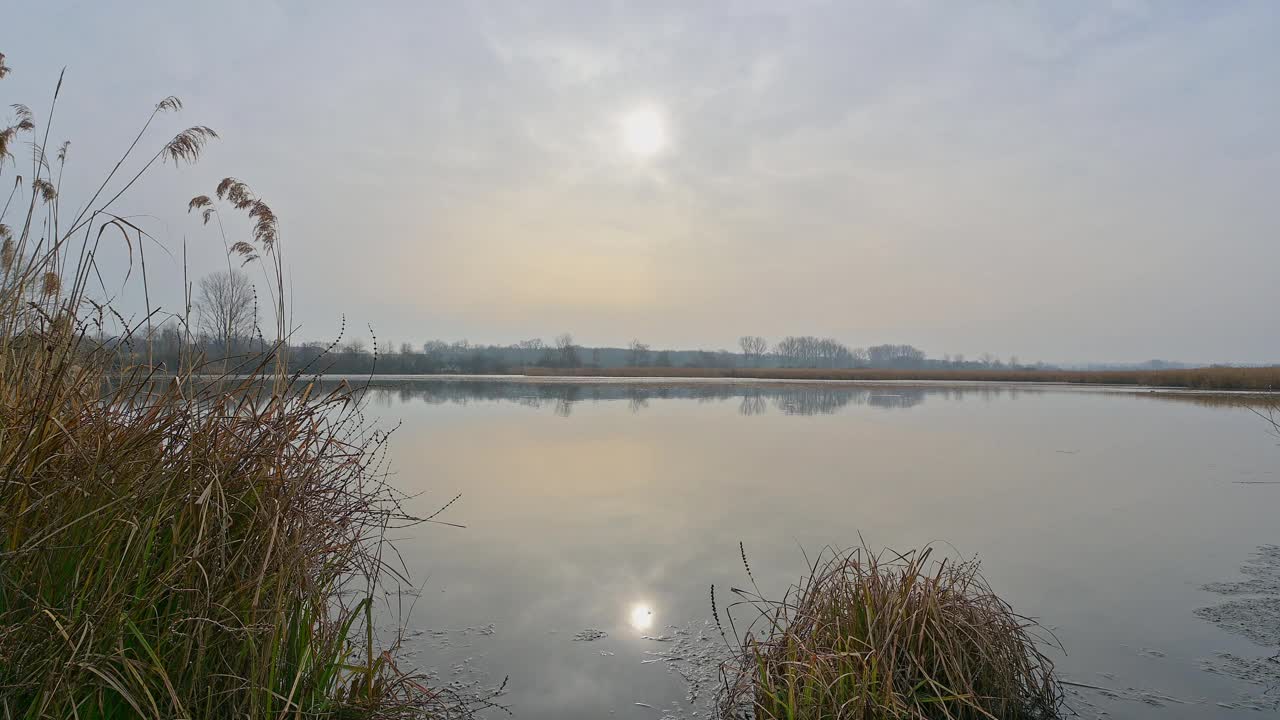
point(1063, 181)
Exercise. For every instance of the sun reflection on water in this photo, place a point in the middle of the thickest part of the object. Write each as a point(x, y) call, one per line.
point(641, 616)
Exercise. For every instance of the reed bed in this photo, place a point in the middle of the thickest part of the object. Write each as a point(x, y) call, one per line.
point(1261, 379)
point(878, 636)
point(189, 547)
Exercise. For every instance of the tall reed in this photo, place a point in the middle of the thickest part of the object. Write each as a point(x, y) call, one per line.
point(170, 547)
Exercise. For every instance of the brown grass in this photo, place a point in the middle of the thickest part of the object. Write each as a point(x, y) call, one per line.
point(869, 636)
point(199, 546)
point(1207, 378)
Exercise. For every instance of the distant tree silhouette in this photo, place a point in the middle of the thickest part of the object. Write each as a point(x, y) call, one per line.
point(753, 348)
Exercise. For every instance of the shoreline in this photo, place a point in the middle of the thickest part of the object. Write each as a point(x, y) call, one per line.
point(1256, 379)
point(678, 380)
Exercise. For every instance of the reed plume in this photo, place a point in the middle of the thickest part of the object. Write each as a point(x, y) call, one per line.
point(45, 189)
point(50, 283)
point(187, 145)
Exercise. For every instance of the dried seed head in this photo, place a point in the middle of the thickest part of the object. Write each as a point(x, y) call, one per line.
point(169, 104)
point(235, 192)
point(62, 151)
point(186, 145)
point(4, 69)
point(47, 191)
point(266, 227)
point(50, 284)
point(7, 253)
point(202, 201)
point(26, 119)
point(245, 250)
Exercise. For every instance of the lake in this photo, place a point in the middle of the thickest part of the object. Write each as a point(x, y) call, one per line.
point(599, 514)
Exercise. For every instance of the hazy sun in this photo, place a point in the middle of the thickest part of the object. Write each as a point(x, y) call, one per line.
point(644, 132)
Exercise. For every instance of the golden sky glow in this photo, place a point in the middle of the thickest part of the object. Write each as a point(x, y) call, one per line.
point(1060, 181)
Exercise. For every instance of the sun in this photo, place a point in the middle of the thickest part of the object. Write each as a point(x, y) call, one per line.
point(644, 132)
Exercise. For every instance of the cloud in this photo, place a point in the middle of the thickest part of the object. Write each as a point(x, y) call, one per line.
point(1063, 181)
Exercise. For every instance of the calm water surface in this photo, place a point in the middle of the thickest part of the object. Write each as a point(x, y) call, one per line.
point(614, 506)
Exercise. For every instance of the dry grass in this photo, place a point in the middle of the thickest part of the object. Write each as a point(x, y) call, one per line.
point(873, 637)
point(191, 547)
point(180, 552)
point(1209, 378)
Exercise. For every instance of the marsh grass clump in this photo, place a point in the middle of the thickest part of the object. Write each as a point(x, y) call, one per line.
point(177, 551)
point(198, 545)
point(877, 636)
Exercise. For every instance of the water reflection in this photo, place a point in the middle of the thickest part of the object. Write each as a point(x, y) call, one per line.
point(592, 539)
point(753, 403)
point(641, 617)
point(752, 398)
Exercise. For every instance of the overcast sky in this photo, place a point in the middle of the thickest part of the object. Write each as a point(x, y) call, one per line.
point(1066, 181)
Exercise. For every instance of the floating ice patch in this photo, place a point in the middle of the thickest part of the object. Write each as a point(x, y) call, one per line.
point(695, 652)
point(1255, 618)
point(1253, 611)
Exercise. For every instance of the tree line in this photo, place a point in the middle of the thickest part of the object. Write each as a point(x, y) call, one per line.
point(224, 325)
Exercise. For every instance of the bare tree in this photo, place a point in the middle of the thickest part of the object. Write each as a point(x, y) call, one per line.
point(897, 356)
point(638, 353)
point(814, 352)
point(528, 351)
point(225, 308)
point(567, 351)
point(435, 350)
point(753, 348)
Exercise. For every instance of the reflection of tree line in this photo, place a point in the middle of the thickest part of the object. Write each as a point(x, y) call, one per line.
point(752, 399)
